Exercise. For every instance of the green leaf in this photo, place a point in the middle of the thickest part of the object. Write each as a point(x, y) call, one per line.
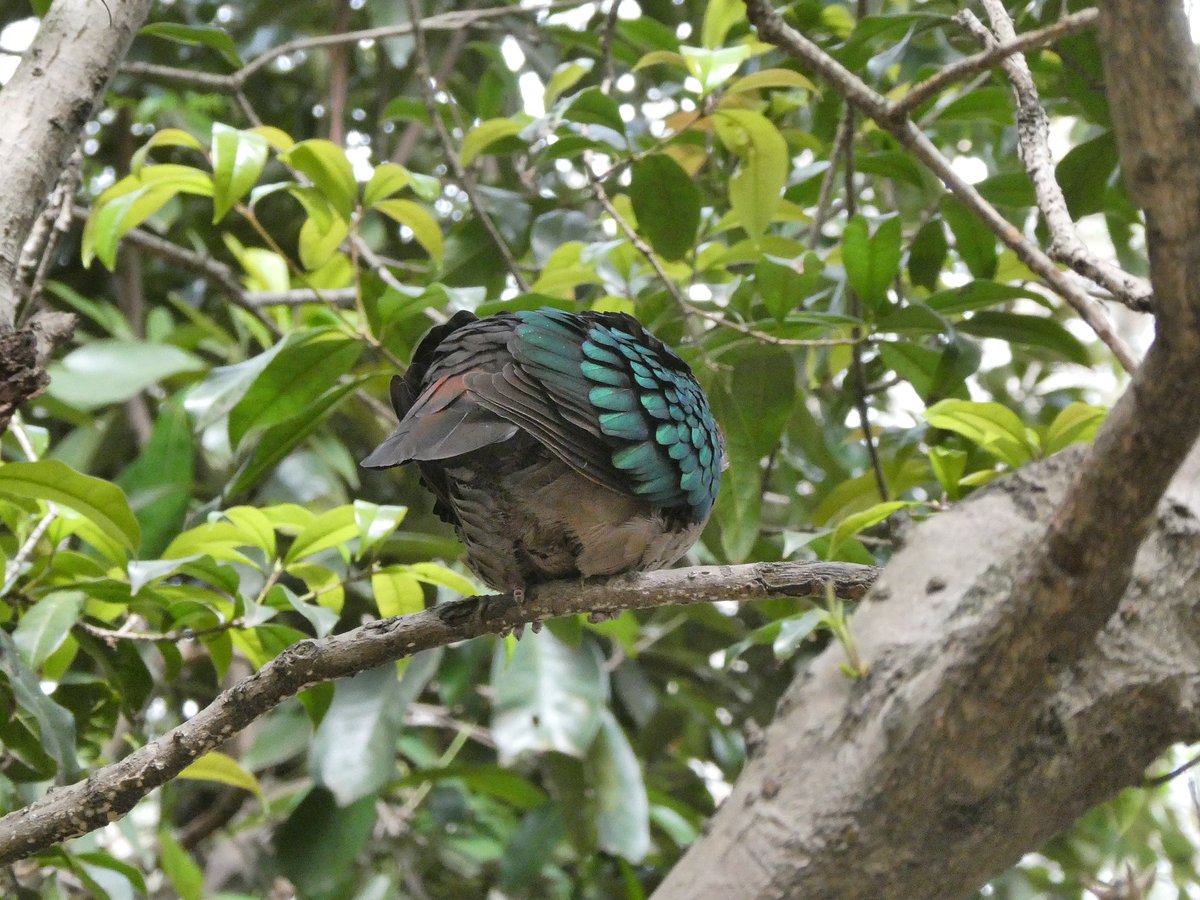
point(993, 427)
point(108, 371)
point(397, 592)
point(1030, 331)
point(1084, 174)
point(783, 286)
point(218, 767)
point(494, 781)
point(181, 870)
point(974, 241)
point(308, 365)
point(46, 624)
point(325, 531)
point(376, 523)
point(56, 726)
point(927, 254)
point(196, 35)
point(418, 219)
point(752, 409)
point(280, 440)
point(666, 203)
point(432, 573)
point(566, 76)
point(112, 220)
point(353, 753)
point(719, 17)
point(238, 158)
point(871, 262)
point(487, 133)
point(795, 630)
point(167, 137)
point(317, 847)
point(756, 188)
point(159, 481)
point(387, 179)
point(771, 78)
point(322, 232)
point(100, 501)
point(1076, 424)
point(547, 697)
point(712, 68)
point(948, 467)
point(622, 808)
point(860, 521)
point(327, 167)
point(595, 107)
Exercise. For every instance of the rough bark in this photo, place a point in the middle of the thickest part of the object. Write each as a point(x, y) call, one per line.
point(43, 106)
point(834, 803)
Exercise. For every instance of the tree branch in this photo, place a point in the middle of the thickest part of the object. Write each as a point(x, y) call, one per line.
point(994, 54)
point(890, 799)
point(996, 711)
point(112, 791)
point(43, 106)
point(1033, 141)
point(454, 20)
point(773, 29)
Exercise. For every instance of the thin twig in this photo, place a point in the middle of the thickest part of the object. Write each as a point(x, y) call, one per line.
point(858, 370)
point(113, 635)
point(773, 29)
point(1033, 144)
point(845, 135)
point(461, 175)
point(455, 20)
point(688, 308)
point(980, 62)
point(607, 40)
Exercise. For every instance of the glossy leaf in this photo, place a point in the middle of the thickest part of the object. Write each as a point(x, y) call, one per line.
point(46, 624)
point(224, 769)
point(326, 165)
point(418, 220)
point(547, 697)
point(353, 752)
point(308, 364)
point(100, 501)
point(666, 203)
point(755, 190)
point(238, 158)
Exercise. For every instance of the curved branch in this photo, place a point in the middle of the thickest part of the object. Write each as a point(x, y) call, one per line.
point(112, 791)
point(1033, 141)
point(886, 114)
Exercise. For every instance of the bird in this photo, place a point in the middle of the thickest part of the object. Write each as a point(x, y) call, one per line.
point(557, 444)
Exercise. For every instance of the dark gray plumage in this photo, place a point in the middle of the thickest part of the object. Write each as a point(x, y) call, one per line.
point(557, 444)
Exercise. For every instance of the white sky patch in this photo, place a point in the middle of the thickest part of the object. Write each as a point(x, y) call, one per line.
point(514, 57)
point(533, 93)
point(971, 169)
point(15, 40)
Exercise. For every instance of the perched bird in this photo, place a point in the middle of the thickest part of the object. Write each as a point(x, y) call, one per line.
point(557, 444)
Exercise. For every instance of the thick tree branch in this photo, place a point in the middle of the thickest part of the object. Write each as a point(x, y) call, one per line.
point(857, 791)
point(994, 715)
point(772, 28)
point(43, 106)
point(112, 791)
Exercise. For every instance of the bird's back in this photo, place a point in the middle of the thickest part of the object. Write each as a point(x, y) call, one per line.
point(557, 444)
